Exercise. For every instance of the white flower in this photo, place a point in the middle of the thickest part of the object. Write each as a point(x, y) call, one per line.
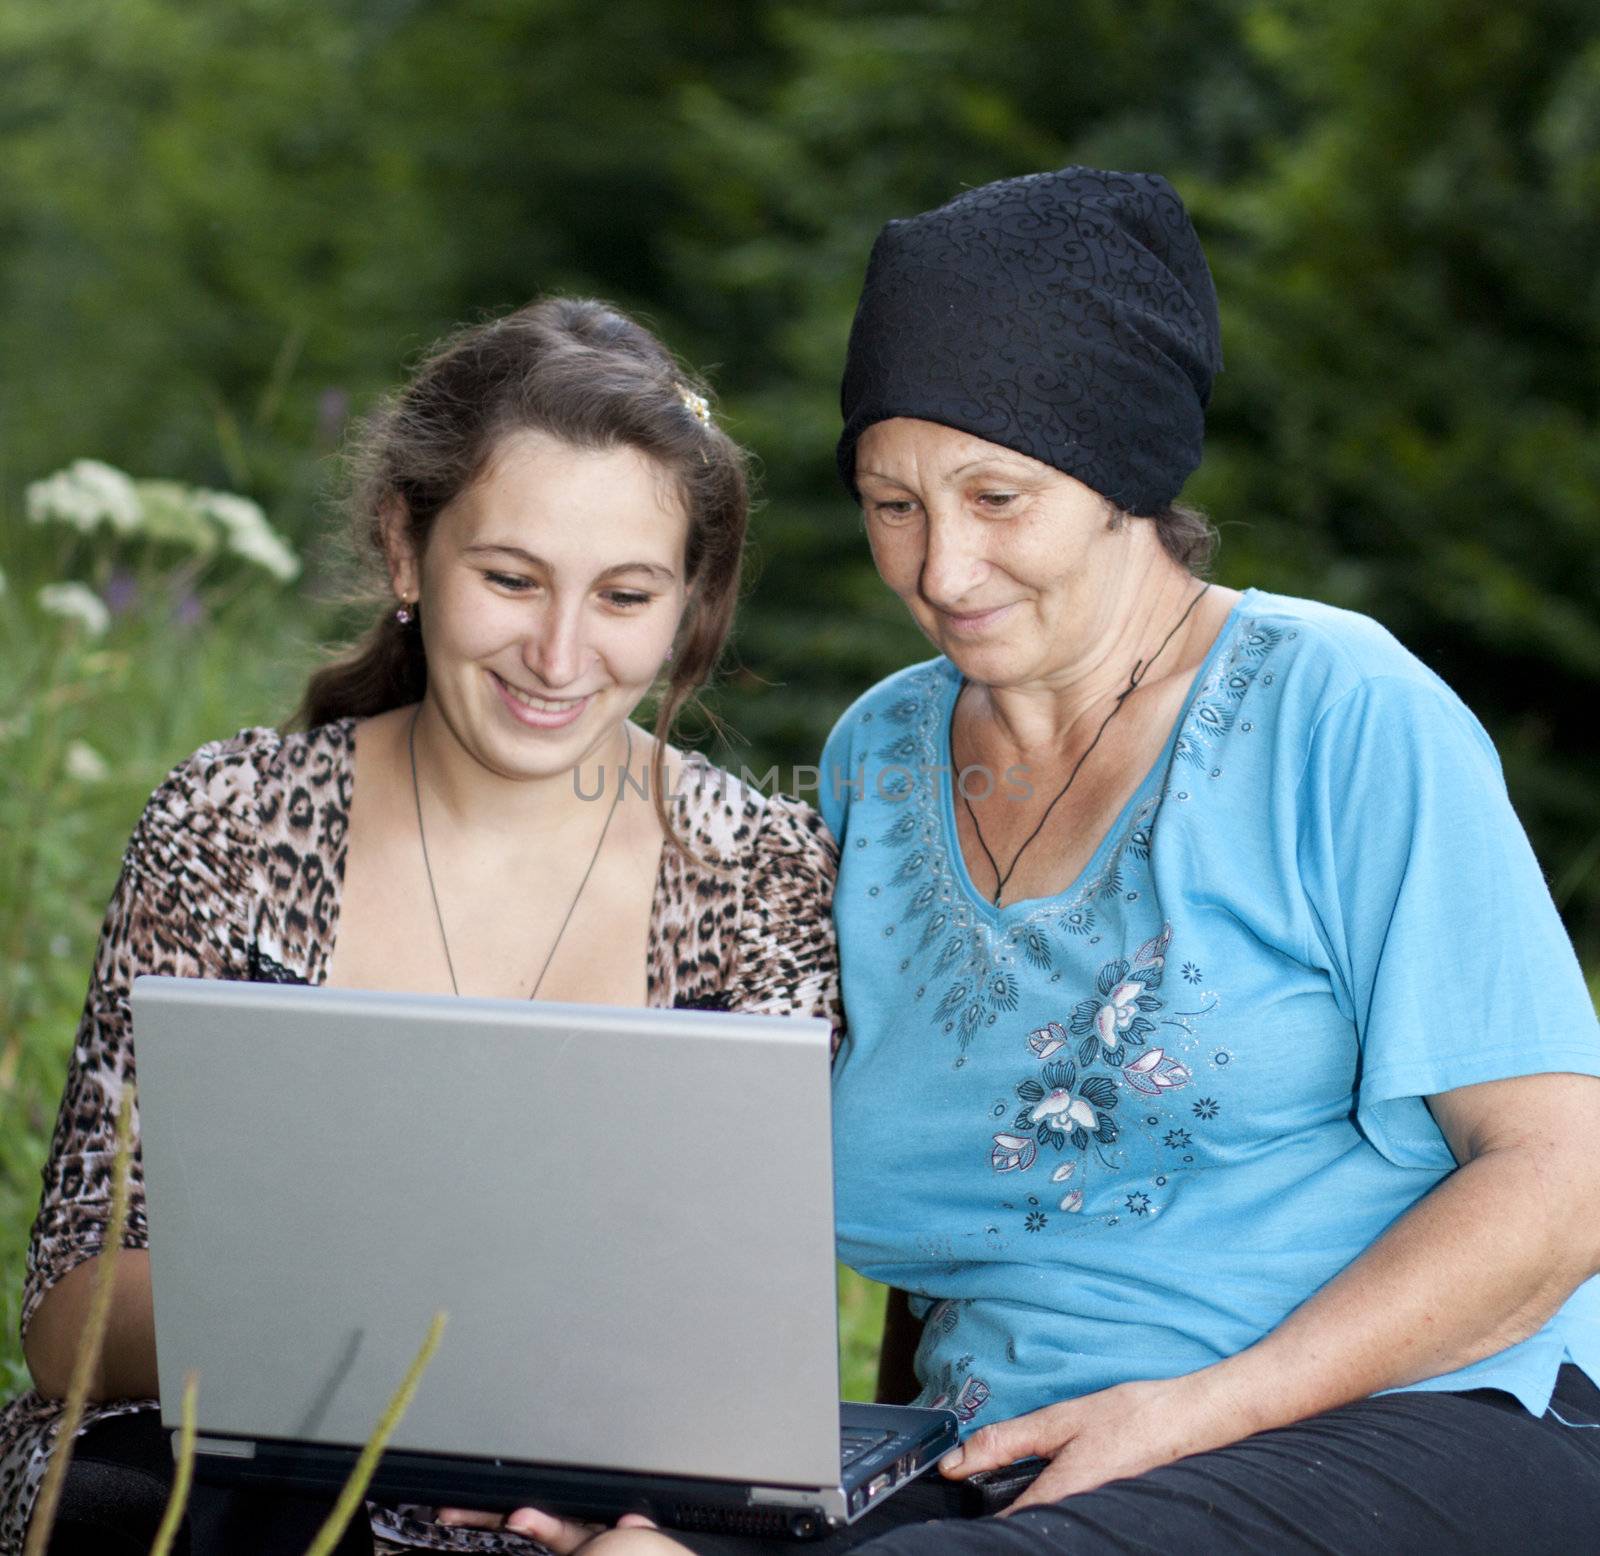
point(1012, 1153)
point(237, 515)
point(1117, 1013)
point(1048, 1039)
point(171, 514)
point(87, 493)
point(76, 602)
point(85, 763)
point(249, 534)
point(1061, 1104)
point(266, 550)
point(56, 497)
point(1153, 1072)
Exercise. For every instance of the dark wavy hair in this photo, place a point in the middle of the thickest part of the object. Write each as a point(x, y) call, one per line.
point(579, 370)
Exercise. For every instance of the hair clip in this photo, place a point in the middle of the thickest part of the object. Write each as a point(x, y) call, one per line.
point(696, 404)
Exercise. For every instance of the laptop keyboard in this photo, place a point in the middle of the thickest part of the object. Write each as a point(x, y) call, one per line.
point(856, 1442)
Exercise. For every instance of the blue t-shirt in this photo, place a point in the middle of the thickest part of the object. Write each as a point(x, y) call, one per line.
point(1122, 1132)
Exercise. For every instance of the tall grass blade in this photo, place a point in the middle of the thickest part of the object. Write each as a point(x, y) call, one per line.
point(92, 1340)
point(355, 1488)
point(183, 1474)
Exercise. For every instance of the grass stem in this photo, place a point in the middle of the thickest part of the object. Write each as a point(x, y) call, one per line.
point(355, 1488)
point(183, 1473)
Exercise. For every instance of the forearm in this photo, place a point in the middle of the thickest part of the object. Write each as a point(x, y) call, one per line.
point(127, 1367)
point(1478, 1264)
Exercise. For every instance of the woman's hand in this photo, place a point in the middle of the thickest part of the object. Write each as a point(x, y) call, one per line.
point(561, 1535)
point(1106, 1436)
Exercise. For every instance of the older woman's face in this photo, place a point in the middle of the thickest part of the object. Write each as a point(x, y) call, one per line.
point(1005, 563)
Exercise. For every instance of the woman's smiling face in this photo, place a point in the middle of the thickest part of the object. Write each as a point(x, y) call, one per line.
point(549, 594)
point(1002, 561)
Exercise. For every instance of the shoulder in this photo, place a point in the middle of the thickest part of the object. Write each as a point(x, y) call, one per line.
point(214, 786)
point(733, 822)
point(1338, 649)
point(195, 840)
point(896, 723)
point(218, 799)
point(893, 704)
point(238, 775)
point(1321, 664)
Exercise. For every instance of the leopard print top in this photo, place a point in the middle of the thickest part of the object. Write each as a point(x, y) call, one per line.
point(235, 871)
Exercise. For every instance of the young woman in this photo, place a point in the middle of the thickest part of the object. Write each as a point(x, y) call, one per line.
point(556, 522)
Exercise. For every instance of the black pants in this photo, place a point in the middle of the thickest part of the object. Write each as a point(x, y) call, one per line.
point(1465, 1474)
point(1414, 1474)
point(117, 1487)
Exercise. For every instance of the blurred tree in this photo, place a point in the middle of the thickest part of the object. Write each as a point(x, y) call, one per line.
point(222, 226)
point(1408, 425)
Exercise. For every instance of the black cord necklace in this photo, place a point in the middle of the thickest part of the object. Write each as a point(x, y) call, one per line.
point(422, 837)
point(1140, 669)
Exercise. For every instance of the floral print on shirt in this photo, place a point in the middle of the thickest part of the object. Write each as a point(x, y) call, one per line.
point(970, 966)
point(1068, 1108)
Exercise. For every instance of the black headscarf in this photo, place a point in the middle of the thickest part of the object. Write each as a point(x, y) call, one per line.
point(1069, 316)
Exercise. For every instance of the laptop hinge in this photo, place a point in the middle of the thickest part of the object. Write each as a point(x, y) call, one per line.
point(233, 1447)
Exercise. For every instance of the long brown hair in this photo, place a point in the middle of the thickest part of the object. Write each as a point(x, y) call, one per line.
point(583, 372)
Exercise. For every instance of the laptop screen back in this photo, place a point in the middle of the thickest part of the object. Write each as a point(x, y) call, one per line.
point(626, 1214)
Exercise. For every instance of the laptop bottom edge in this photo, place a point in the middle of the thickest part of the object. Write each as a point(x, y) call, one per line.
point(915, 1439)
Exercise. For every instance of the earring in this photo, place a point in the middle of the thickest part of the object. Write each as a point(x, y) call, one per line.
point(668, 659)
point(404, 615)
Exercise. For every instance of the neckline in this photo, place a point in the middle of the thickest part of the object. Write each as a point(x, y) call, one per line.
point(1152, 779)
point(661, 892)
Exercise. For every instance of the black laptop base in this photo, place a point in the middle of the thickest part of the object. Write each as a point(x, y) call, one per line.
point(602, 1496)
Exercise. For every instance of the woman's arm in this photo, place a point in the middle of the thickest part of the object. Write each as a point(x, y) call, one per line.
point(179, 908)
point(1481, 1263)
point(1475, 1266)
point(786, 954)
point(127, 1367)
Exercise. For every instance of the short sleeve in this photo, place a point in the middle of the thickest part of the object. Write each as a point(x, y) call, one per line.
point(1443, 944)
point(179, 908)
point(787, 960)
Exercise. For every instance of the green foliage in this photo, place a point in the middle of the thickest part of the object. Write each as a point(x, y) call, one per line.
point(90, 720)
point(861, 1306)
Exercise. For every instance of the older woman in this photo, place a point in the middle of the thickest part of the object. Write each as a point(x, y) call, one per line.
point(1220, 1080)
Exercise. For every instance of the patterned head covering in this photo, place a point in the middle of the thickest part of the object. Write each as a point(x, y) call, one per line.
point(1069, 316)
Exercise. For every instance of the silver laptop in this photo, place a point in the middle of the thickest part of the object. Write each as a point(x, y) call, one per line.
point(626, 1215)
